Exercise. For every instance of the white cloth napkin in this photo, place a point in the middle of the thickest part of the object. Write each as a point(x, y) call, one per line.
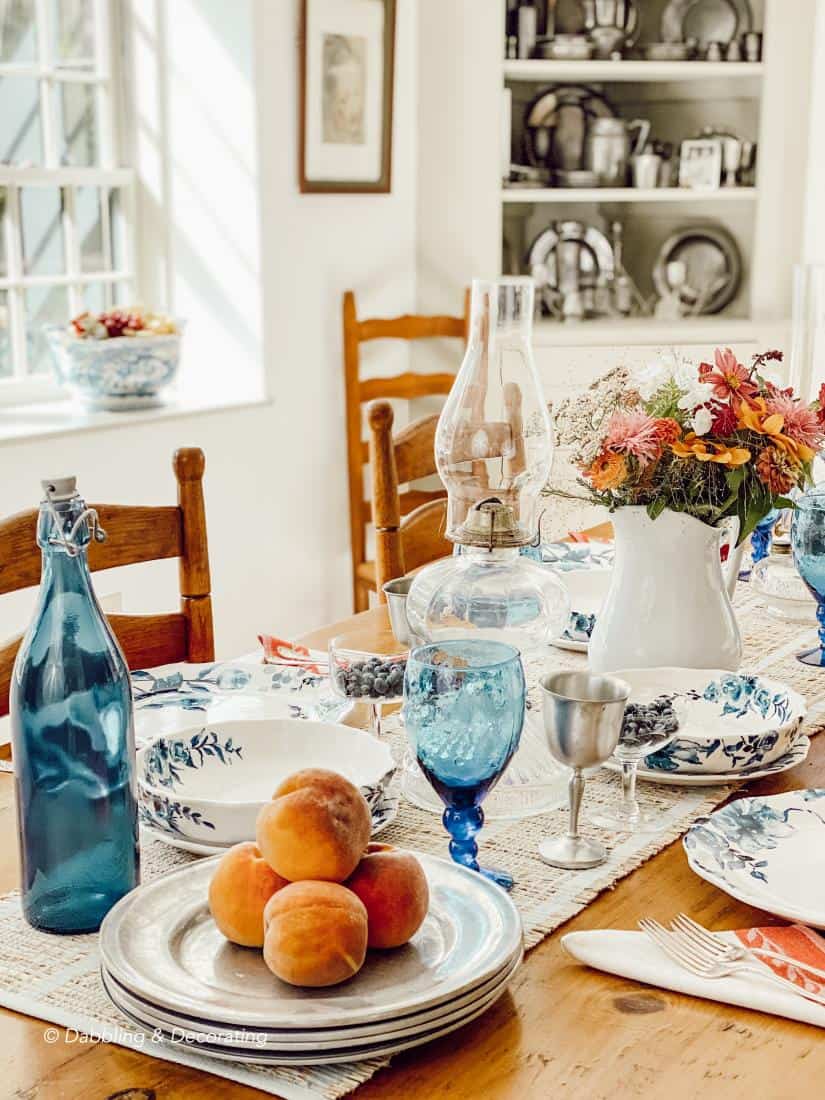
point(632, 955)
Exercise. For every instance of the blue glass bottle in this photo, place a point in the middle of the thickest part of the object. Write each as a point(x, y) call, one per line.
point(72, 737)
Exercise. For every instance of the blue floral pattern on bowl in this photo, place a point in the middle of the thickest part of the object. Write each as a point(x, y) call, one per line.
point(579, 627)
point(136, 367)
point(730, 723)
point(166, 814)
point(165, 759)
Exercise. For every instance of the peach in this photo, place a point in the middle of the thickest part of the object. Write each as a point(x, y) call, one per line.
point(241, 886)
point(316, 827)
point(394, 890)
point(316, 934)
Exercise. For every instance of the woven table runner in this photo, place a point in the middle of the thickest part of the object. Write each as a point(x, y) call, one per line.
point(56, 978)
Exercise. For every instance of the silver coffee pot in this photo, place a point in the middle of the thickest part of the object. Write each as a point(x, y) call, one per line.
point(609, 145)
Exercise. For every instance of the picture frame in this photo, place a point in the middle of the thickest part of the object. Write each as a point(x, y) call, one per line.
point(700, 164)
point(347, 81)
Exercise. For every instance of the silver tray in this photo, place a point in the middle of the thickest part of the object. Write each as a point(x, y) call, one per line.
point(706, 21)
point(162, 945)
point(712, 258)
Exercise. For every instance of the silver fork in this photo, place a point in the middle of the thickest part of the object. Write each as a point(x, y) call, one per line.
point(700, 961)
point(729, 952)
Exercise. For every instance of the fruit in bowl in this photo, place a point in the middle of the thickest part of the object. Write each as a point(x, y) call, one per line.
point(313, 892)
point(116, 360)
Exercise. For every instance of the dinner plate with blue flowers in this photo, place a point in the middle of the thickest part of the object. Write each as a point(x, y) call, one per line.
point(767, 852)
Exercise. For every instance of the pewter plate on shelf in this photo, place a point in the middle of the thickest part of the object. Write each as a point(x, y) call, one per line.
point(161, 944)
point(563, 109)
point(706, 21)
point(595, 256)
point(714, 268)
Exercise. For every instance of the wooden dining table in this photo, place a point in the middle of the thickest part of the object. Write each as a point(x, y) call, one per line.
point(560, 1030)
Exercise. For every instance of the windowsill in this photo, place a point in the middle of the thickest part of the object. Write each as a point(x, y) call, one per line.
point(21, 423)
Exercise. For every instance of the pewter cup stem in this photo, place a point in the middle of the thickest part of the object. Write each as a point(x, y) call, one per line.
point(576, 790)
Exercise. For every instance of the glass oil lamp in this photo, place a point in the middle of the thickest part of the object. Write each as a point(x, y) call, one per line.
point(494, 449)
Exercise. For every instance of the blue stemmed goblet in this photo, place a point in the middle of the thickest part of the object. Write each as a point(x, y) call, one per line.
point(808, 544)
point(463, 711)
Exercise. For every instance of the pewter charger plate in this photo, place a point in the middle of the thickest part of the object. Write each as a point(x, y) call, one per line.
point(161, 943)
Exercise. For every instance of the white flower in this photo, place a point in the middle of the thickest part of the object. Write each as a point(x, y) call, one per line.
point(650, 378)
point(699, 393)
point(701, 421)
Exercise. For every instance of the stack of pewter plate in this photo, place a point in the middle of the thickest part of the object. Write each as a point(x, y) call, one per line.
point(168, 969)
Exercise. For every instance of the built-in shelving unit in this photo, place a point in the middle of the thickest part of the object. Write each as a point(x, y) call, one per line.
point(586, 72)
point(626, 194)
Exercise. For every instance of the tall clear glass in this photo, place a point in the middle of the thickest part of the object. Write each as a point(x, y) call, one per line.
point(73, 742)
point(494, 436)
point(808, 545)
point(807, 366)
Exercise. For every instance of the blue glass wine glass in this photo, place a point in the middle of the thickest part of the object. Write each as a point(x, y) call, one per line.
point(761, 541)
point(463, 711)
point(808, 545)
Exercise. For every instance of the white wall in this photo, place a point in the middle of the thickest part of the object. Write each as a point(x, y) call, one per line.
point(259, 271)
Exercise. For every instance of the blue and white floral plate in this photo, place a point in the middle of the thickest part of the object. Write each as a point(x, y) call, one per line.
point(207, 784)
point(173, 698)
point(766, 852)
point(730, 722)
point(573, 556)
point(588, 591)
point(797, 755)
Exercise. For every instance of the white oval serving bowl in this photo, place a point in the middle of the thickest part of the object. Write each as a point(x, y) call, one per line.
point(730, 721)
point(209, 782)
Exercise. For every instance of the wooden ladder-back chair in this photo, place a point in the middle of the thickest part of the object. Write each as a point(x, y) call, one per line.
point(135, 534)
point(405, 386)
point(403, 543)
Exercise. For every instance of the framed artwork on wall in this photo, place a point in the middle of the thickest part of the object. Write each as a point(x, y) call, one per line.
point(347, 62)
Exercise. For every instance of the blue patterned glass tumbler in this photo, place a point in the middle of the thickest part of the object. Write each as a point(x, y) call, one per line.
point(761, 541)
point(463, 711)
point(808, 544)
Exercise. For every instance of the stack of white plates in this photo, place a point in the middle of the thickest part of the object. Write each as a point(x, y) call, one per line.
point(166, 966)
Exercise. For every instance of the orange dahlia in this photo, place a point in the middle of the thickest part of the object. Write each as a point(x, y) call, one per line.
point(777, 471)
point(758, 418)
point(668, 430)
point(703, 450)
point(608, 471)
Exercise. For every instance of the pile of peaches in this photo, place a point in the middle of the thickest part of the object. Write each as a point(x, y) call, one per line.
point(313, 892)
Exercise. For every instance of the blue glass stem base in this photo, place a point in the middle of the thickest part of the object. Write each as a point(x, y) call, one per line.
point(464, 825)
point(816, 656)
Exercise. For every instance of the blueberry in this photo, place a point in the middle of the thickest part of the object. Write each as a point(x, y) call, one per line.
point(380, 685)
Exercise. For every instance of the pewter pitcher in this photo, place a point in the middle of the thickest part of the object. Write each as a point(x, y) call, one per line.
point(608, 147)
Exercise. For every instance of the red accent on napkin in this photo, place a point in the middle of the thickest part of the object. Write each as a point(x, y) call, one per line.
point(794, 940)
point(281, 652)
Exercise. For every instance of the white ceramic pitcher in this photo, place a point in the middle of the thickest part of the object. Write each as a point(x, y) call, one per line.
point(669, 602)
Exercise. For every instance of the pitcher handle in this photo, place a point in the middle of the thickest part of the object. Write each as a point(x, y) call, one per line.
point(643, 126)
point(632, 25)
point(732, 563)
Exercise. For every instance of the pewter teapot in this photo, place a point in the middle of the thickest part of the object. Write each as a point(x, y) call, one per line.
point(608, 147)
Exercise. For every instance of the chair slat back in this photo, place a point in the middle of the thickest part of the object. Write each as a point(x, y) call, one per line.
point(360, 391)
point(134, 535)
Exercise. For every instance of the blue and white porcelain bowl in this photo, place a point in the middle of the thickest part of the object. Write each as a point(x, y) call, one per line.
point(730, 722)
point(127, 372)
point(208, 783)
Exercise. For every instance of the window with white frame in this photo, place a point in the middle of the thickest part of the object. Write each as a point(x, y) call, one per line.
point(66, 203)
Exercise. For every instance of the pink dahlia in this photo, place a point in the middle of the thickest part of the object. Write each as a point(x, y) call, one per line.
point(730, 380)
point(801, 423)
point(633, 433)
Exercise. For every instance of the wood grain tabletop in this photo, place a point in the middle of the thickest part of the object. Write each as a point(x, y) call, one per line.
point(561, 1030)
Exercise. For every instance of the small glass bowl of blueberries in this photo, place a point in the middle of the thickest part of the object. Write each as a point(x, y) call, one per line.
point(369, 668)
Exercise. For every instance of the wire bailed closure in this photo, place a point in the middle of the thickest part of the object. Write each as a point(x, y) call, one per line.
point(88, 516)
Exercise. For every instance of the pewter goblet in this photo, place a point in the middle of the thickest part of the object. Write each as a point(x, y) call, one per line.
point(582, 722)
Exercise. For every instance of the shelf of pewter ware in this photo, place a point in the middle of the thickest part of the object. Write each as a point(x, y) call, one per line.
point(626, 194)
point(646, 331)
point(635, 71)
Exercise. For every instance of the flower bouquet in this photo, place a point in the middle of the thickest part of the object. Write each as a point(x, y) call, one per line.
point(721, 440)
